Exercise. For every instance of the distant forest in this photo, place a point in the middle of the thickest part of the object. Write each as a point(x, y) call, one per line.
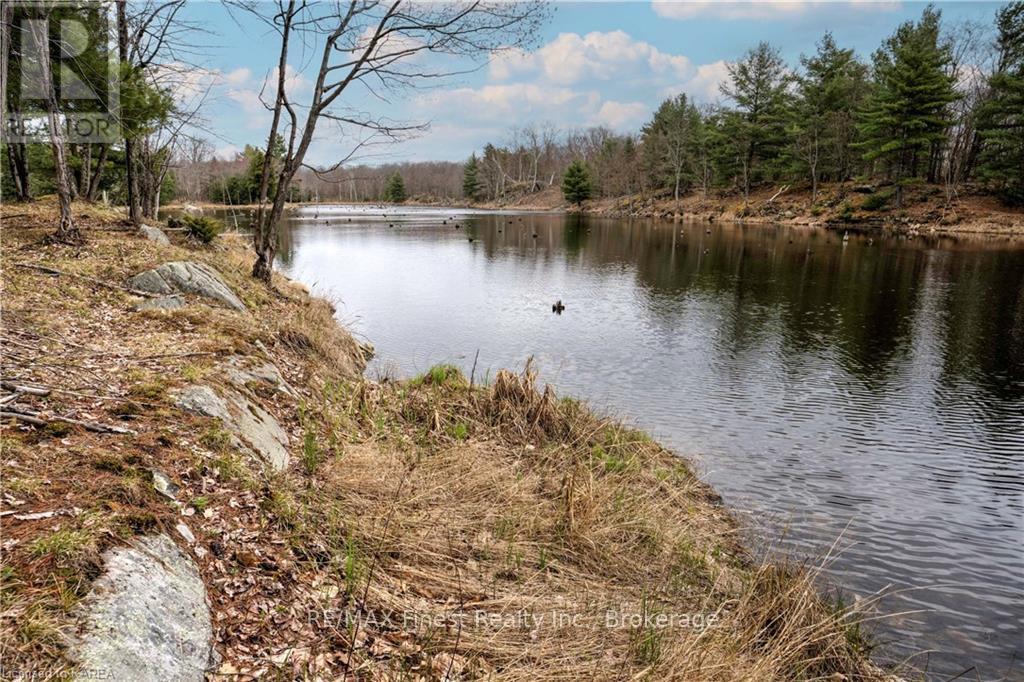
point(937, 102)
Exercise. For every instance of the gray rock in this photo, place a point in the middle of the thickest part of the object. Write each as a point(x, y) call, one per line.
point(164, 485)
point(252, 428)
point(186, 533)
point(189, 278)
point(161, 303)
point(154, 234)
point(146, 618)
point(239, 372)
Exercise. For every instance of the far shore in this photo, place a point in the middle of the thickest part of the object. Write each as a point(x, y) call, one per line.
point(843, 206)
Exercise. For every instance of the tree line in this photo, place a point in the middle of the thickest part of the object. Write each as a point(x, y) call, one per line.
point(937, 104)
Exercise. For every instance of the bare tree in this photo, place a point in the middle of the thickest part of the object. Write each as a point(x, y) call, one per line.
point(375, 45)
point(66, 232)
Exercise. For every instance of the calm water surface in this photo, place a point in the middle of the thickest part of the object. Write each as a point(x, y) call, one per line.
point(871, 391)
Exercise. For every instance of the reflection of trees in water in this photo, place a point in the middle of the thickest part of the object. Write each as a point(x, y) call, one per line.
point(859, 300)
point(983, 320)
point(791, 291)
point(286, 244)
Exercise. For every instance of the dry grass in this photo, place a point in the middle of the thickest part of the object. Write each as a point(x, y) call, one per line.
point(450, 519)
point(518, 541)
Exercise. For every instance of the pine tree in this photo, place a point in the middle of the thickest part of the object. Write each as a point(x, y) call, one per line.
point(758, 85)
point(667, 142)
point(822, 129)
point(394, 190)
point(1001, 125)
point(471, 179)
point(907, 111)
point(576, 183)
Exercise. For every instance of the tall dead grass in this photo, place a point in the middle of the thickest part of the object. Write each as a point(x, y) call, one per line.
point(524, 540)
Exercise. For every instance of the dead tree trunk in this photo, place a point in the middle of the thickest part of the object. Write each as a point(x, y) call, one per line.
point(94, 181)
point(131, 181)
point(66, 230)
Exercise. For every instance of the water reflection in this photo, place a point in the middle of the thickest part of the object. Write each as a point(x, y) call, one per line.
point(872, 389)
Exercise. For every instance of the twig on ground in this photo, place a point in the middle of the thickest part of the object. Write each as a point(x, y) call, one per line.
point(38, 419)
point(60, 273)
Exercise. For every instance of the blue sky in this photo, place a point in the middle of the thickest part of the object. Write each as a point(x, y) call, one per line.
point(597, 63)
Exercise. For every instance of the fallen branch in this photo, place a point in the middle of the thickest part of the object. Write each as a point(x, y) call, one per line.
point(34, 421)
point(99, 282)
point(37, 419)
point(776, 195)
point(21, 388)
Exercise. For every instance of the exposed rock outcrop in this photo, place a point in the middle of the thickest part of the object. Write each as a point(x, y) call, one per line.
point(146, 618)
point(252, 428)
point(186, 277)
point(154, 234)
point(242, 372)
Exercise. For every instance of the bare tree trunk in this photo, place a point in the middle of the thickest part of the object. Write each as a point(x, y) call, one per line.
point(131, 181)
point(265, 235)
point(85, 175)
point(66, 230)
point(94, 182)
point(19, 173)
point(6, 19)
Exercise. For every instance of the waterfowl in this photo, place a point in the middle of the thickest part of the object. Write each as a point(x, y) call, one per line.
point(557, 307)
point(470, 240)
point(846, 236)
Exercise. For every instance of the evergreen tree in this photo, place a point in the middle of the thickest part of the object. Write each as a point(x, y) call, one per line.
point(471, 179)
point(822, 128)
point(758, 85)
point(394, 190)
point(1001, 125)
point(667, 140)
point(907, 111)
point(576, 186)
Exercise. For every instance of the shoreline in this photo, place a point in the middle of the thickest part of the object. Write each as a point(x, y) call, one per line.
point(538, 504)
point(923, 214)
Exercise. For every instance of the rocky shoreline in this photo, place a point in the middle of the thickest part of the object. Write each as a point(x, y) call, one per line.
point(202, 488)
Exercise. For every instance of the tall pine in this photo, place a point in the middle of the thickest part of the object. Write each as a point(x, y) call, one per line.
point(394, 190)
point(907, 111)
point(576, 187)
point(757, 84)
point(828, 93)
point(1001, 125)
point(471, 178)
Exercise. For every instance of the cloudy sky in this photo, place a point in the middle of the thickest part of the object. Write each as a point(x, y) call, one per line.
point(597, 63)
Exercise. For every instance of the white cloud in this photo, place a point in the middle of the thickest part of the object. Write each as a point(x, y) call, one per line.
point(227, 152)
point(504, 101)
point(703, 84)
point(571, 58)
point(246, 91)
point(758, 9)
point(621, 116)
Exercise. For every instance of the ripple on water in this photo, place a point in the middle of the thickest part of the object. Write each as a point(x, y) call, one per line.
point(872, 393)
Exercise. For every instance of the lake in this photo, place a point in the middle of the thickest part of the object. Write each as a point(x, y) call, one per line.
point(867, 392)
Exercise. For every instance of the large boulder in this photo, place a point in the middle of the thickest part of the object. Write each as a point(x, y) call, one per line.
point(146, 618)
point(243, 372)
point(252, 428)
point(186, 277)
point(154, 234)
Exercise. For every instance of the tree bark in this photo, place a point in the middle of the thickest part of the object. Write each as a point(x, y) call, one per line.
point(131, 181)
point(94, 182)
point(66, 230)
